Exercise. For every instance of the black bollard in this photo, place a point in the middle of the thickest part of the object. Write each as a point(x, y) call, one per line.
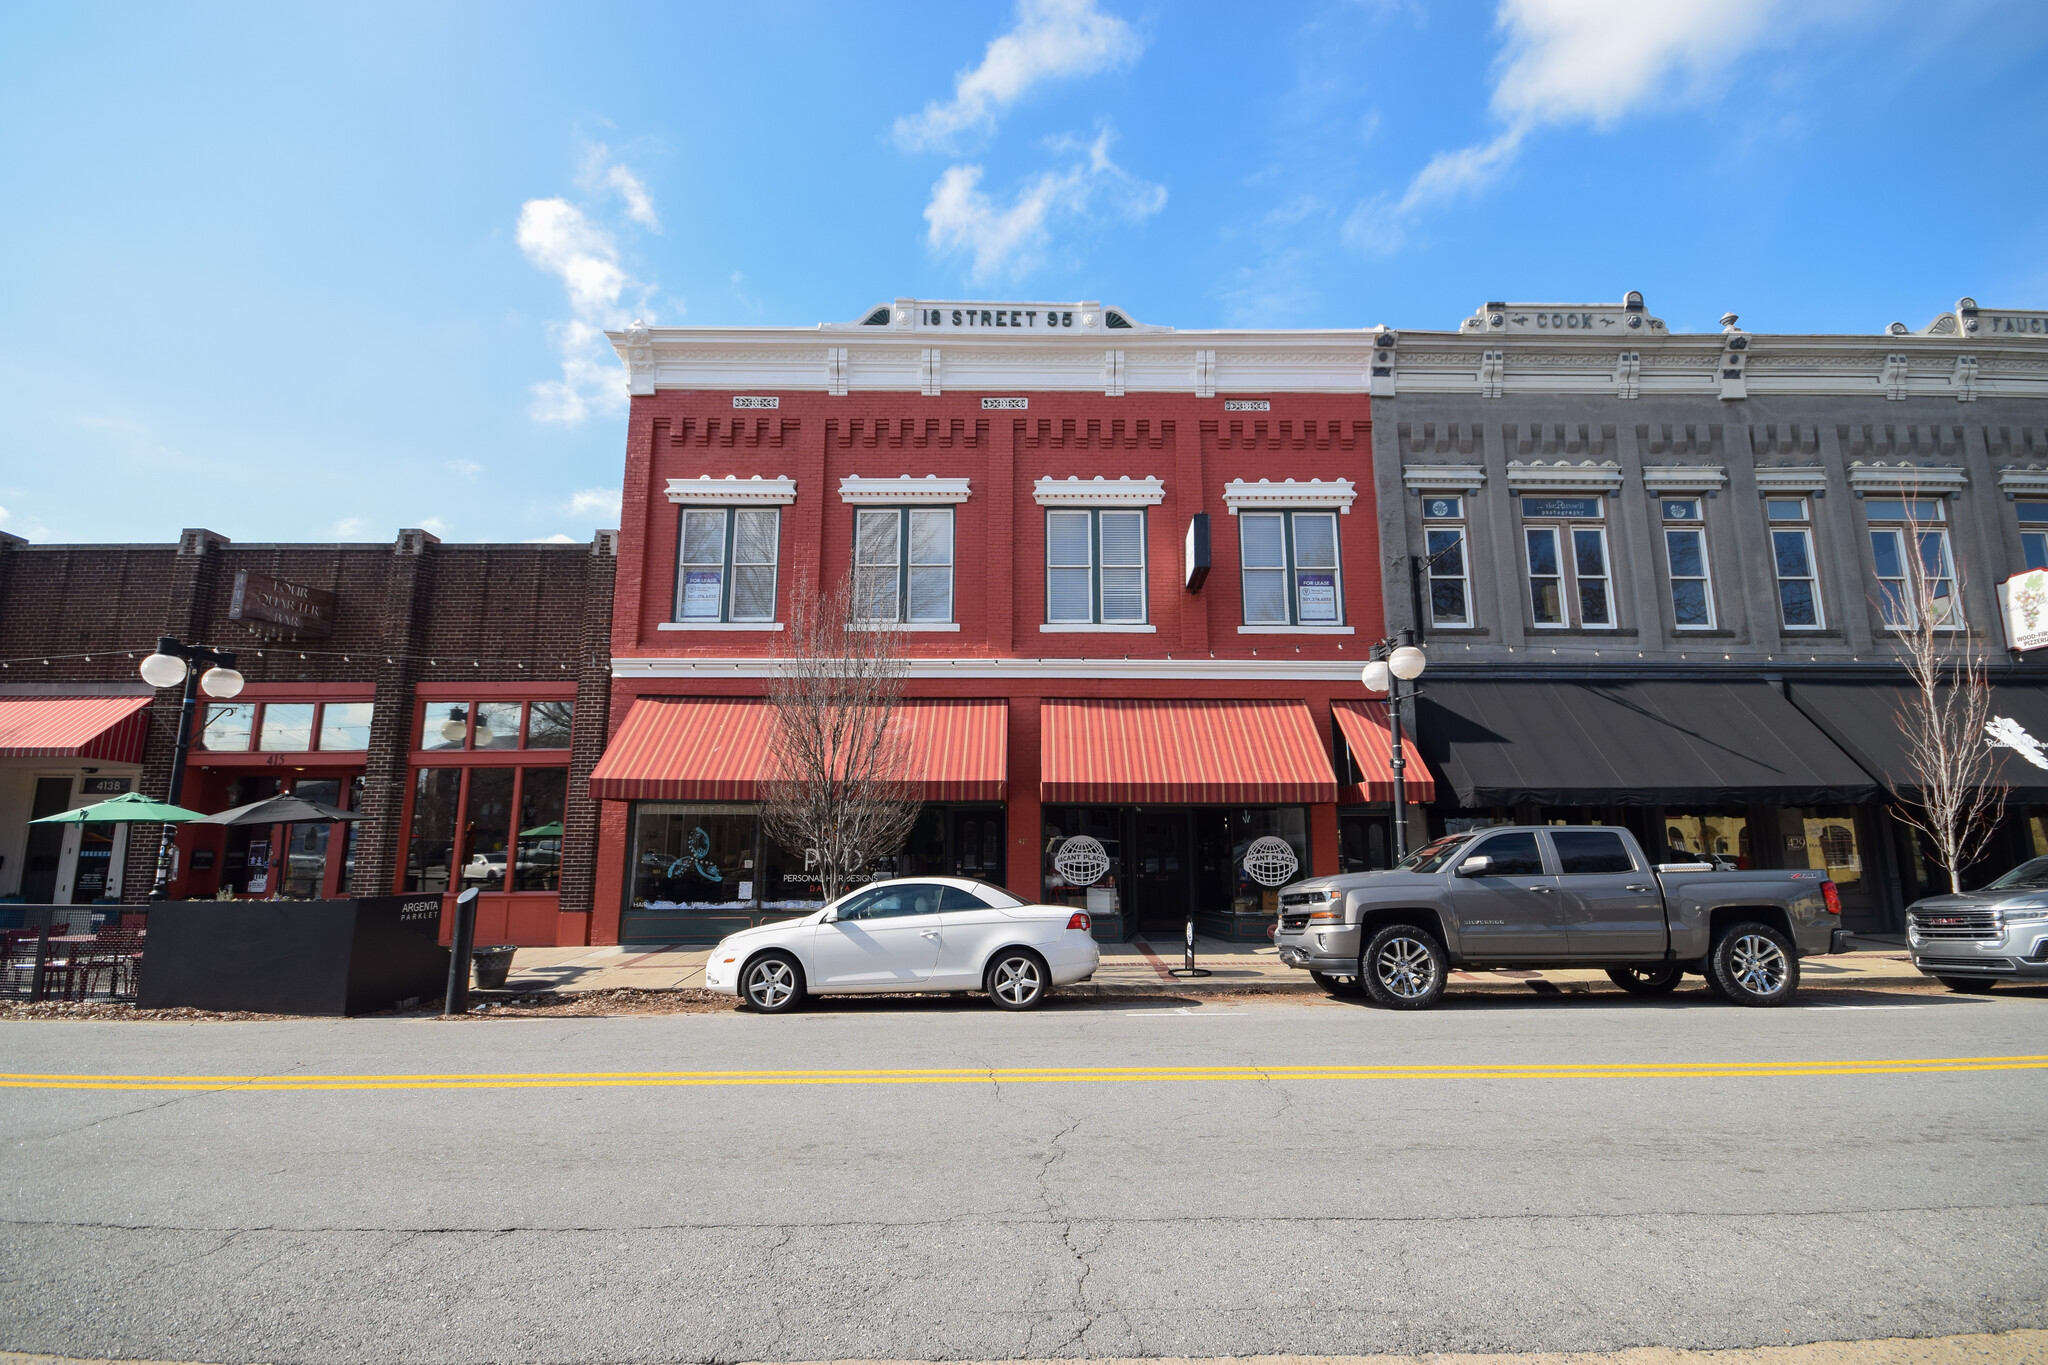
point(40, 977)
point(458, 954)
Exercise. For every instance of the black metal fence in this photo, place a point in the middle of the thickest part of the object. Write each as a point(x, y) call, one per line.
point(71, 952)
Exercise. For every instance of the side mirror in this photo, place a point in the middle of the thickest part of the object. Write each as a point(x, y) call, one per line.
point(831, 916)
point(1476, 866)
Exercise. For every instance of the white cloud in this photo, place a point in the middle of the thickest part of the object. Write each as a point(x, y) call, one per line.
point(468, 469)
point(600, 172)
point(1051, 39)
point(1577, 61)
point(350, 527)
point(28, 528)
point(561, 239)
point(434, 525)
point(1007, 239)
point(595, 502)
point(556, 539)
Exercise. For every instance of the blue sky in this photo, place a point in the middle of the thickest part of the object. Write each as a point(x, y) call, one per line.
point(299, 273)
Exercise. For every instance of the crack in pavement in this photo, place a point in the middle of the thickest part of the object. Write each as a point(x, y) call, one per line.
point(177, 1098)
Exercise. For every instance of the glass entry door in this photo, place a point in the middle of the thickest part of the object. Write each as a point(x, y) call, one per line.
point(1160, 873)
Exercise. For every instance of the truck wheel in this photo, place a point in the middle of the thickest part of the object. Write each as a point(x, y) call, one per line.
point(1754, 964)
point(1403, 967)
point(1646, 980)
point(1336, 985)
point(1968, 985)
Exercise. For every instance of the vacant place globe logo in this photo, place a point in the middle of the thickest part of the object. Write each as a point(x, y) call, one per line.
point(1081, 860)
point(1270, 861)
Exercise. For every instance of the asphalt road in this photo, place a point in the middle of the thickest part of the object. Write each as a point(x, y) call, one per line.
point(1676, 1173)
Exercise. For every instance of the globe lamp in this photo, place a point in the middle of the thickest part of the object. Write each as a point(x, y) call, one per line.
point(221, 682)
point(1375, 676)
point(1407, 663)
point(163, 670)
point(453, 727)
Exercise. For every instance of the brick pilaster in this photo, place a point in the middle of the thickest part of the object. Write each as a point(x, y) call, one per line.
point(589, 728)
point(380, 834)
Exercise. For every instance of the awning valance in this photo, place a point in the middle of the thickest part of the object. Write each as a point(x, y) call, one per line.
point(1366, 733)
point(1182, 752)
point(112, 729)
point(717, 749)
point(1863, 718)
point(1692, 742)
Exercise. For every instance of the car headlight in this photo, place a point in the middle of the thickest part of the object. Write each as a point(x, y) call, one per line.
point(2022, 916)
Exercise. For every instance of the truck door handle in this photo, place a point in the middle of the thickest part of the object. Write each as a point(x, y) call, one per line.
point(1635, 888)
point(1540, 890)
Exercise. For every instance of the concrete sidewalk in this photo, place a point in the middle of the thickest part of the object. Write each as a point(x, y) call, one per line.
point(1143, 968)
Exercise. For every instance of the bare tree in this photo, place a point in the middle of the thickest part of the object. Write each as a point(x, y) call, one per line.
point(840, 794)
point(1956, 793)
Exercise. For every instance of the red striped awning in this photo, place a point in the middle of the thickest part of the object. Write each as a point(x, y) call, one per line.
point(1363, 725)
point(113, 729)
point(717, 749)
point(1176, 752)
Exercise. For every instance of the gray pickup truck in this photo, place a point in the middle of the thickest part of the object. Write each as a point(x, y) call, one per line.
point(1557, 896)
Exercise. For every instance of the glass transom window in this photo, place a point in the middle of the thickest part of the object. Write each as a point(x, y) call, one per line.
point(1095, 567)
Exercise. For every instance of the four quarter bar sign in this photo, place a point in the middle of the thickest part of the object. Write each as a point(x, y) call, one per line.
point(304, 611)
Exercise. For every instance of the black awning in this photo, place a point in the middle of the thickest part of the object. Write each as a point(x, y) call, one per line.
point(1690, 743)
point(1863, 718)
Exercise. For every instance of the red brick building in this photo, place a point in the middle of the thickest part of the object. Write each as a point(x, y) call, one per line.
point(1136, 571)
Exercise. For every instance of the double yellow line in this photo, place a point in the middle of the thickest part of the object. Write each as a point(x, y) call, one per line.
point(572, 1080)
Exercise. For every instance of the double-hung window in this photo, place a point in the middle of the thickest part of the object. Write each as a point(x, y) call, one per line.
point(1094, 566)
point(725, 567)
point(1685, 555)
point(2033, 533)
point(1290, 568)
point(1799, 605)
point(1569, 578)
point(1443, 534)
point(1915, 569)
point(903, 564)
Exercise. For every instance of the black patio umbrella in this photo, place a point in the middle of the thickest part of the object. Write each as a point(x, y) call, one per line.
point(282, 809)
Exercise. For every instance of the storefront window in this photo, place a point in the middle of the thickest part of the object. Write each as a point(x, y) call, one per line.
point(693, 857)
point(547, 724)
point(487, 828)
point(287, 727)
point(539, 864)
point(432, 843)
point(304, 874)
point(445, 725)
point(1268, 850)
point(227, 727)
point(345, 725)
point(1081, 859)
point(787, 884)
point(1719, 839)
point(497, 725)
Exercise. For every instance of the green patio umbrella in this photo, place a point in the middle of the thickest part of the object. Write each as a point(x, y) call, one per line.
point(131, 808)
point(548, 831)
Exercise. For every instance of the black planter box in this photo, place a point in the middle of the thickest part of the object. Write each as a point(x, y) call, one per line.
point(294, 957)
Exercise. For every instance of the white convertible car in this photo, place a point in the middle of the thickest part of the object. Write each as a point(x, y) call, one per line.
point(909, 934)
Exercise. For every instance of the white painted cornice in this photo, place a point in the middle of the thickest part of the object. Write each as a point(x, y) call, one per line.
point(1123, 491)
point(1877, 476)
point(902, 490)
point(1684, 478)
point(732, 491)
point(1242, 493)
point(1791, 478)
point(1469, 478)
point(1535, 474)
point(2028, 480)
point(1168, 669)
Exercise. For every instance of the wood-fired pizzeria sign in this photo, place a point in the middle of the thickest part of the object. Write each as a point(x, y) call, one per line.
point(295, 607)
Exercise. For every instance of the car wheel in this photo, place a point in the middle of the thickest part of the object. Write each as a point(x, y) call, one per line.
point(1646, 980)
point(772, 983)
point(1403, 967)
point(1754, 964)
point(1336, 985)
point(1017, 980)
point(1968, 985)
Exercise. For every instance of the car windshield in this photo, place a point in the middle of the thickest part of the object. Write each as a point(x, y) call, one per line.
point(2031, 875)
point(1431, 857)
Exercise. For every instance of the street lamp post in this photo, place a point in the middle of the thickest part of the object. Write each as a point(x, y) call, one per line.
point(171, 665)
point(1395, 662)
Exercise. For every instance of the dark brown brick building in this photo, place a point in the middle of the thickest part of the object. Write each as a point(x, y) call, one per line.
point(457, 699)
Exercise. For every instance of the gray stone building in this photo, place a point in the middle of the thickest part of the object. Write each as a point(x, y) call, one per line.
point(1661, 576)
